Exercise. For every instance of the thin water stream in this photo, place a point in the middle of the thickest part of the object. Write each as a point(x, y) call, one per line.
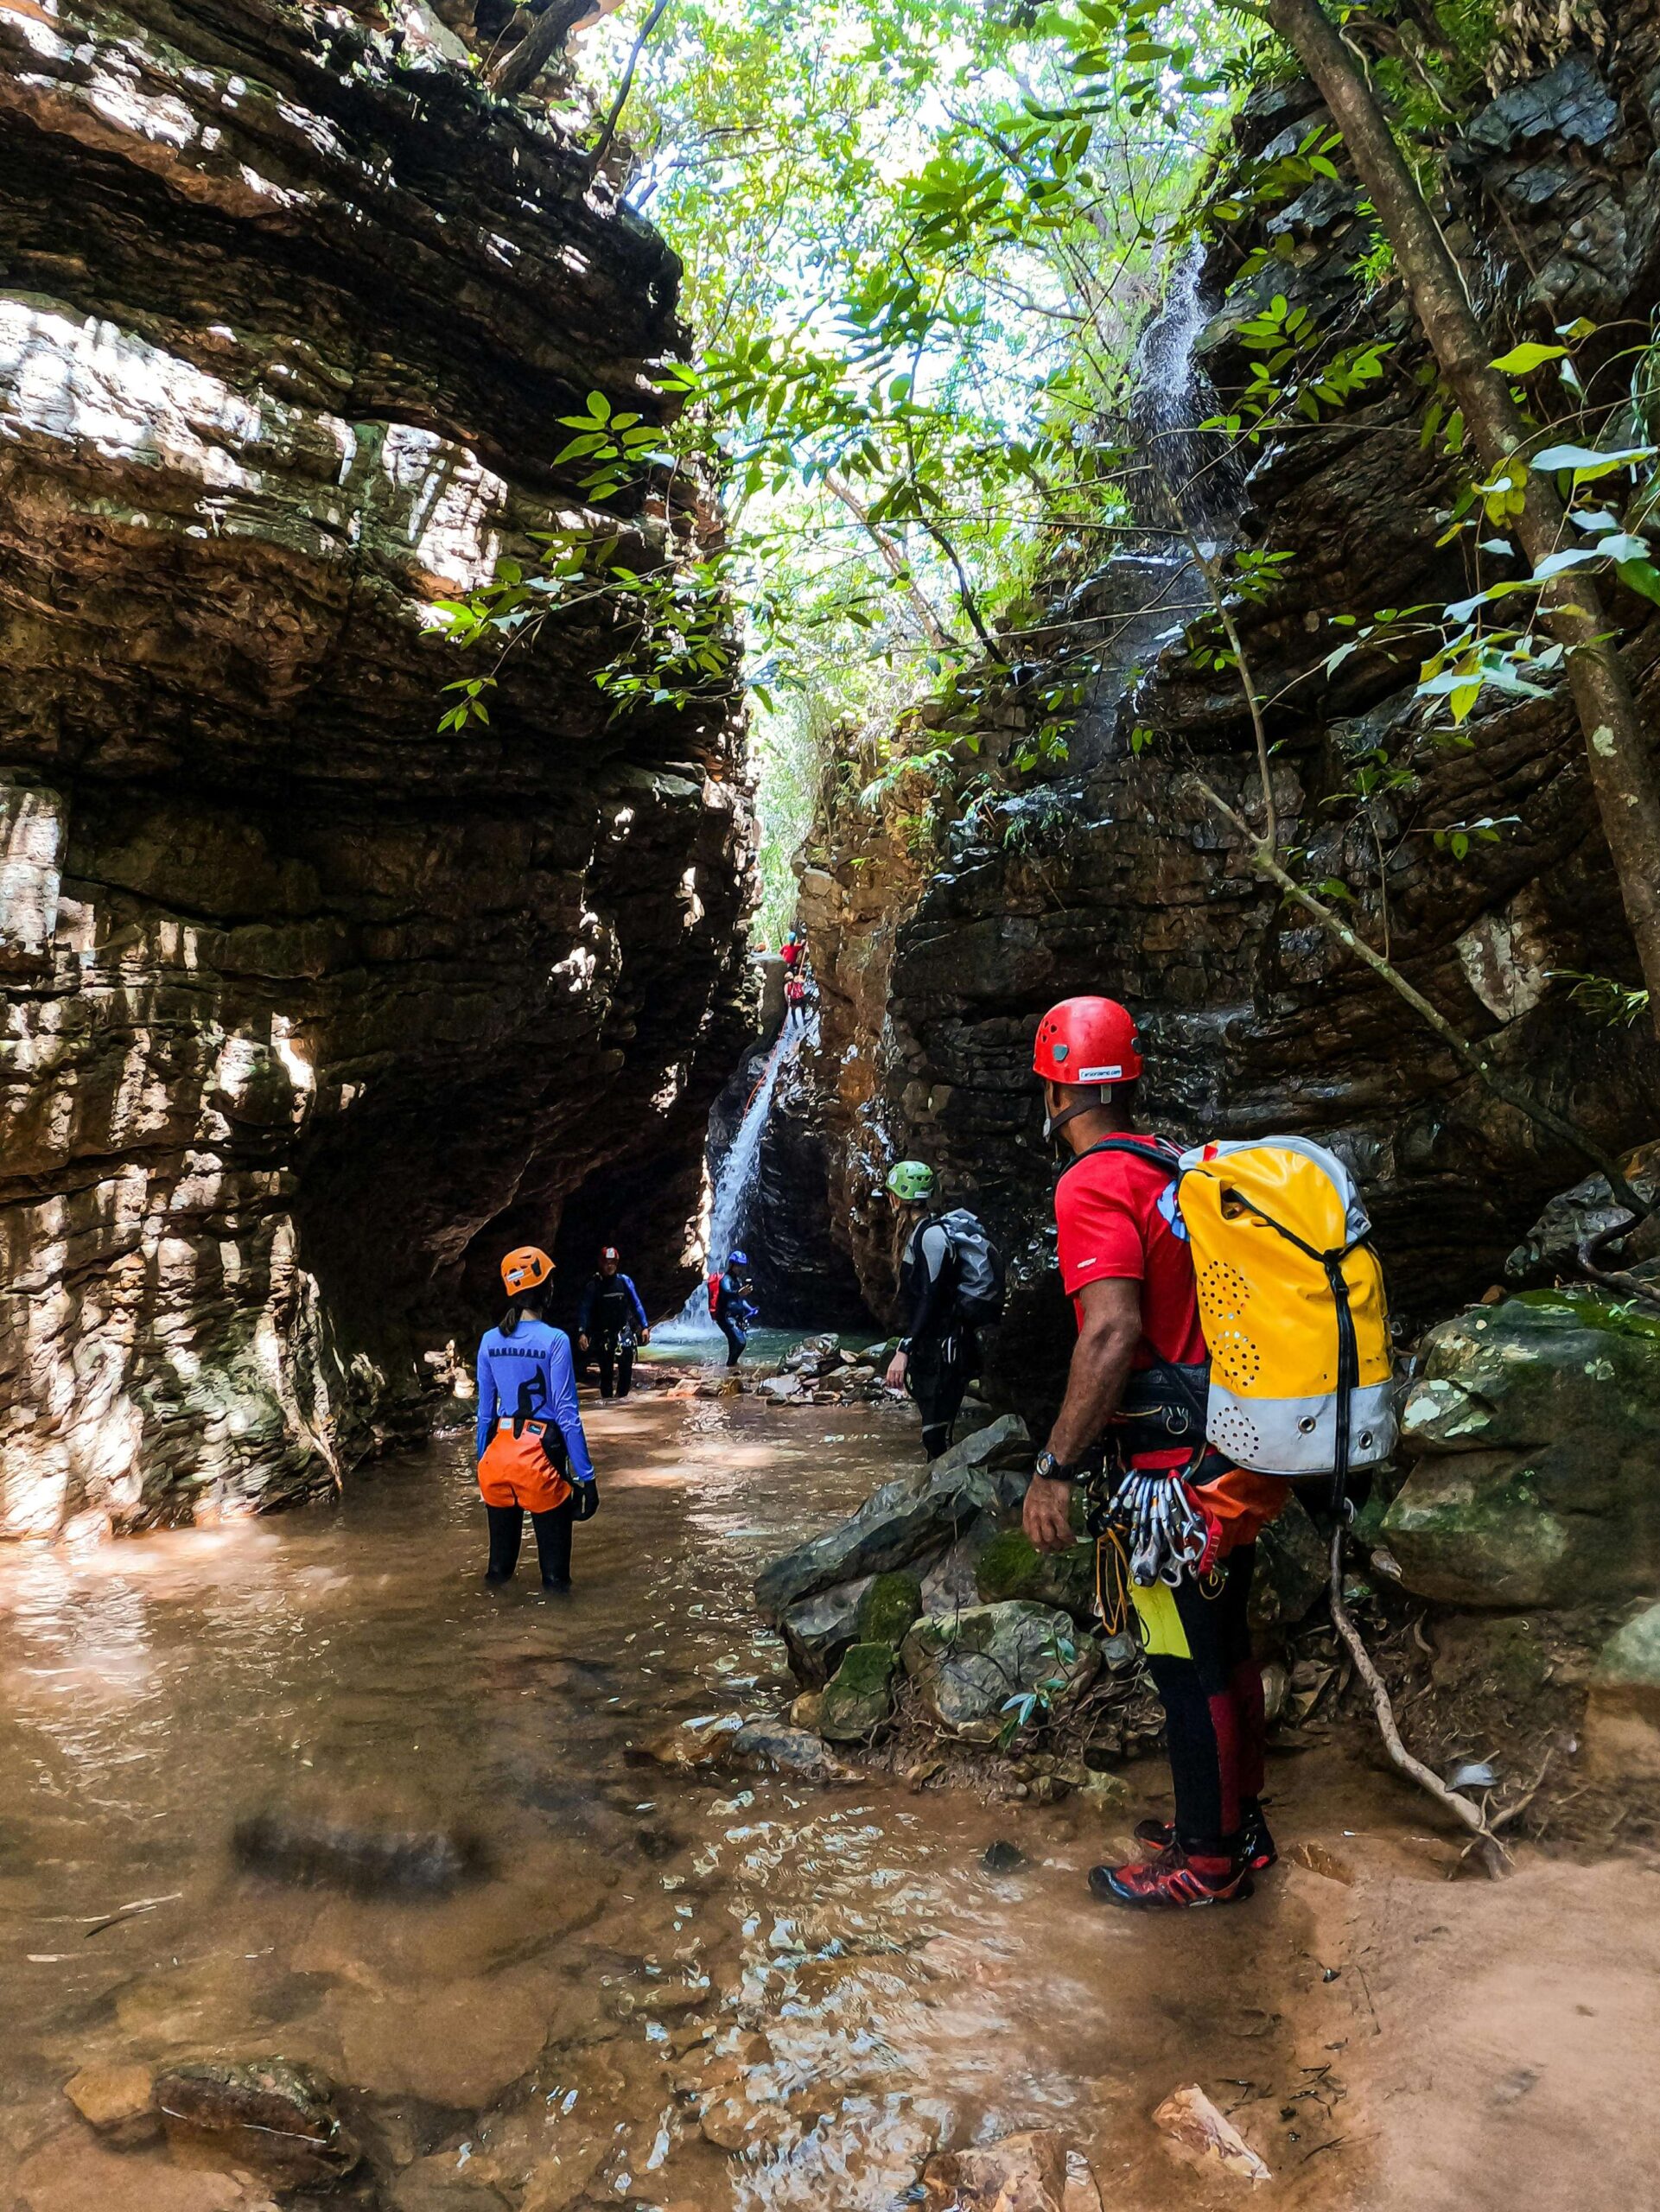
point(715, 1991)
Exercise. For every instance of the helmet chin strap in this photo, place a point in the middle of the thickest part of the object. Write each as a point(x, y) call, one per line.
point(1053, 1123)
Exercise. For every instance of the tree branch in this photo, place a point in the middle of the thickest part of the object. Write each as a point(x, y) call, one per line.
point(893, 555)
point(658, 9)
point(1474, 1058)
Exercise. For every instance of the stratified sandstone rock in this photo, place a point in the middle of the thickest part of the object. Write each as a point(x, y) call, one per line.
point(1114, 874)
point(308, 1010)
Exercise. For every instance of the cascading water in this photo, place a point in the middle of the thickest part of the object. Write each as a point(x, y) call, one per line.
point(734, 1184)
point(1199, 483)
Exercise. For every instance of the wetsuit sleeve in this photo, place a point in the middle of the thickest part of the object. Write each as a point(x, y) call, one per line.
point(640, 1310)
point(932, 1309)
point(486, 1399)
point(585, 1308)
point(561, 1404)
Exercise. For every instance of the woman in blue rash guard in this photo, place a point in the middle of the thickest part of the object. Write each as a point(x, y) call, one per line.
point(533, 1454)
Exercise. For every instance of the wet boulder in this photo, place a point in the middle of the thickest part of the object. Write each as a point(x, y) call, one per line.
point(116, 2103)
point(798, 1751)
point(1551, 1247)
point(813, 1357)
point(967, 1666)
point(1033, 2171)
point(262, 2112)
point(819, 1629)
point(1002, 1449)
point(859, 1696)
point(1011, 1566)
point(901, 1522)
point(1291, 1569)
point(1534, 1427)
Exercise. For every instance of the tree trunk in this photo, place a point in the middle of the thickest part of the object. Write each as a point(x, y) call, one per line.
point(547, 34)
point(1618, 753)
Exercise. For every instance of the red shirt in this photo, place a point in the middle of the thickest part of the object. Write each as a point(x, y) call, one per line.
point(1116, 1215)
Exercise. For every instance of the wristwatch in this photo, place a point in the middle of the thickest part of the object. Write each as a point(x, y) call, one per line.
point(1051, 1470)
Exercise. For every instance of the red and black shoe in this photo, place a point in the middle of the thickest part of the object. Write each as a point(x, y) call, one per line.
point(1171, 1883)
point(1259, 1853)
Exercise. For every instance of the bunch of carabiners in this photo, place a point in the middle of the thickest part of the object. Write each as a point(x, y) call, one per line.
point(1161, 1527)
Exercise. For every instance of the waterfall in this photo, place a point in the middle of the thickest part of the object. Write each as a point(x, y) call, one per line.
point(1196, 472)
point(733, 1184)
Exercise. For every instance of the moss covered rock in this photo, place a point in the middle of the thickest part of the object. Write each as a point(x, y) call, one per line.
point(1011, 1566)
point(1535, 1425)
point(859, 1695)
point(969, 1665)
point(889, 1606)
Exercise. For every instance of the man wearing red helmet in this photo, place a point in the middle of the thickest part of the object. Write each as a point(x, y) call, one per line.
point(1137, 1371)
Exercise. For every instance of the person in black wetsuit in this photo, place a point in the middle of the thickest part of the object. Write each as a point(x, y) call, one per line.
point(611, 1321)
point(939, 1352)
point(732, 1311)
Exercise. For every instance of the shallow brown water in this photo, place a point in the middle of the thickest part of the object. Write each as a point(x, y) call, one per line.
point(824, 1981)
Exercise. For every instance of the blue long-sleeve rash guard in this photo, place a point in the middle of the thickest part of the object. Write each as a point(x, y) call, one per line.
point(591, 1293)
point(540, 1355)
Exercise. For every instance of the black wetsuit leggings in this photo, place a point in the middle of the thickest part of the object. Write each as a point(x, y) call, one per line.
point(736, 1338)
point(616, 1363)
point(1213, 1709)
point(937, 1377)
point(552, 1540)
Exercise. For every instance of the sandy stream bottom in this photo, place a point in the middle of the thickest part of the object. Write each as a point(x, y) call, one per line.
point(829, 1970)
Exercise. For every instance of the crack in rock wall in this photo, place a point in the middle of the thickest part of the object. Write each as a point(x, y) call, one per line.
point(309, 1011)
point(934, 960)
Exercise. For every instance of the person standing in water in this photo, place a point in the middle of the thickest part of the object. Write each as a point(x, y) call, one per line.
point(533, 1454)
point(612, 1321)
point(731, 1307)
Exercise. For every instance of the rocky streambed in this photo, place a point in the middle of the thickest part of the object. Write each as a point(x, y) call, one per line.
point(587, 1965)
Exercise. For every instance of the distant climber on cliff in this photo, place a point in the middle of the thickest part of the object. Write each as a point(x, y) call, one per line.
point(729, 1303)
point(531, 1453)
point(951, 1282)
point(1131, 1428)
point(795, 1000)
point(611, 1321)
point(791, 950)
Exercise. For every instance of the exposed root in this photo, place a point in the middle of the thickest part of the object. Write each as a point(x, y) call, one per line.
point(1493, 1855)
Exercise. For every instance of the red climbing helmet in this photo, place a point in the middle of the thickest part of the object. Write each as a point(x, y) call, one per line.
point(610, 1252)
point(1087, 1040)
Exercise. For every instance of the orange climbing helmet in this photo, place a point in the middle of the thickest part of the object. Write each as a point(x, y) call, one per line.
point(1087, 1040)
point(525, 1269)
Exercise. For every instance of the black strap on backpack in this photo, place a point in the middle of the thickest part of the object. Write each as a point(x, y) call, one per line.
point(1185, 1391)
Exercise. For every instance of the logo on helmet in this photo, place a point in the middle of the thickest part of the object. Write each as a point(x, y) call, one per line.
point(1061, 1051)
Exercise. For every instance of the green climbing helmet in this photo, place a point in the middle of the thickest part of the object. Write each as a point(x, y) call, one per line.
point(910, 1179)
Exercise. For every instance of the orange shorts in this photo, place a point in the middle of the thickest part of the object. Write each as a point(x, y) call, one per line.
point(517, 1471)
point(1244, 1503)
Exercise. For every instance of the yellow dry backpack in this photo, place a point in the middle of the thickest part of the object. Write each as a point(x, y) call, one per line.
point(1291, 1301)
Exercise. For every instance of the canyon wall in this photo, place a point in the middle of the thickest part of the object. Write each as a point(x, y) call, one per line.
point(936, 949)
point(310, 1012)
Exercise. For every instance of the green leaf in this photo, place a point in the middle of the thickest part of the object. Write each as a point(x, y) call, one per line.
point(1589, 465)
point(1640, 576)
point(1522, 361)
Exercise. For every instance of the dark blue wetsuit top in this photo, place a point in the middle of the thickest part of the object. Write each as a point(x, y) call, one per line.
point(595, 1288)
point(540, 1355)
point(730, 1304)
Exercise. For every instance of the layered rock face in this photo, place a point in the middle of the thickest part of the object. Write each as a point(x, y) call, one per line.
point(309, 1011)
point(934, 960)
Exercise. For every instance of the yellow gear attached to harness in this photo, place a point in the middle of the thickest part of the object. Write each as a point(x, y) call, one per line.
point(1291, 1299)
